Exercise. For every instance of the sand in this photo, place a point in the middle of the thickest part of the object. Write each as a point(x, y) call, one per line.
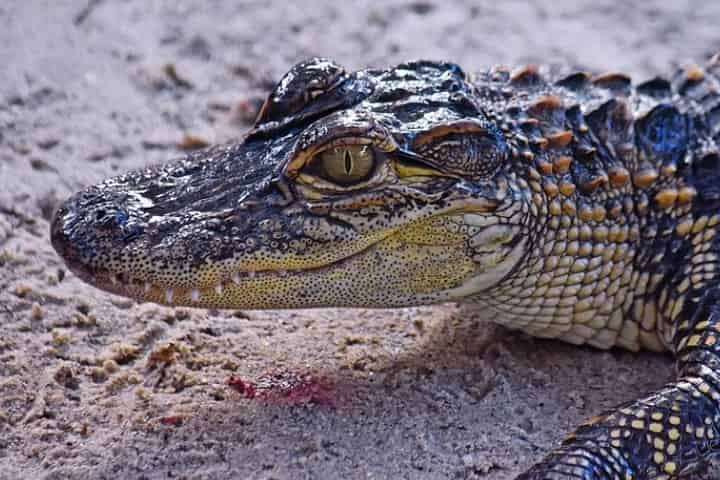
point(94, 386)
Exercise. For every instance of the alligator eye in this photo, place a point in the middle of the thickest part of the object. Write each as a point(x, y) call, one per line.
point(347, 164)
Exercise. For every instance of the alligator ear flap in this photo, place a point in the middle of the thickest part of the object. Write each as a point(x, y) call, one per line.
point(465, 147)
point(298, 88)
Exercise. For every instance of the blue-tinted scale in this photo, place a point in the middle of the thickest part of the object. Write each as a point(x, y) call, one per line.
point(664, 131)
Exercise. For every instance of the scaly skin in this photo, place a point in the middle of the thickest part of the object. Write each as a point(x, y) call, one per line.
point(573, 207)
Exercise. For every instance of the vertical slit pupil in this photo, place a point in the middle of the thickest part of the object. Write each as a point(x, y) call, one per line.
point(348, 162)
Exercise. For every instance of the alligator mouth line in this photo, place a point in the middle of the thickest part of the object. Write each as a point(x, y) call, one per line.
point(125, 285)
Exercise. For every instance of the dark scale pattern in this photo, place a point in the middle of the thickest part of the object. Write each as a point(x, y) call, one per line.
point(571, 205)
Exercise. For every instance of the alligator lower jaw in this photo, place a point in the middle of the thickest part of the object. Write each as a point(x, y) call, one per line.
point(393, 270)
point(211, 296)
point(124, 285)
point(387, 274)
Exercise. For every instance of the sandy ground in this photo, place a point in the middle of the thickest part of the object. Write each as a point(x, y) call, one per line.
point(98, 387)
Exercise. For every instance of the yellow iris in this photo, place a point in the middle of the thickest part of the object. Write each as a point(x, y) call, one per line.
point(346, 165)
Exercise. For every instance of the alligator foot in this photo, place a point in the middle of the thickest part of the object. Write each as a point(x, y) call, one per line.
point(668, 434)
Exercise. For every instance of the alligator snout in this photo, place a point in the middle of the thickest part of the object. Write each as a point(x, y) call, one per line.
point(91, 224)
point(60, 238)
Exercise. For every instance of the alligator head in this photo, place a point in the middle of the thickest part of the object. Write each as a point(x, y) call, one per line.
point(377, 188)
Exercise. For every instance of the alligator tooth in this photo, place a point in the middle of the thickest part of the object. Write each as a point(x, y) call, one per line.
point(114, 279)
point(283, 273)
point(169, 293)
point(195, 295)
point(236, 278)
point(219, 288)
point(251, 274)
point(147, 287)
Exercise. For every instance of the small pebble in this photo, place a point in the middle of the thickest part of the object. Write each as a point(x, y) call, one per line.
point(36, 312)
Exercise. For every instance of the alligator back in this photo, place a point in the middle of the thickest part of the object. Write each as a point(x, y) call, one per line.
point(628, 179)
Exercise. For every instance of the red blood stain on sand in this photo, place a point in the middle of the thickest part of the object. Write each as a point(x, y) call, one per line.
point(290, 387)
point(174, 420)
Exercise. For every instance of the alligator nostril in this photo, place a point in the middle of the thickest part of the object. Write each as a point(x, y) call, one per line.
point(121, 217)
point(106, 218)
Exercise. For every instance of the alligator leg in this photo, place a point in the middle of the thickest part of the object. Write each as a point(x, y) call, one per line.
point(667, 434)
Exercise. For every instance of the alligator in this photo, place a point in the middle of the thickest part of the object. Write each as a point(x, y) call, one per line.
point(568, 205)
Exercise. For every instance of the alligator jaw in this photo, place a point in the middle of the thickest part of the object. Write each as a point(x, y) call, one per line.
point(360, 279)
